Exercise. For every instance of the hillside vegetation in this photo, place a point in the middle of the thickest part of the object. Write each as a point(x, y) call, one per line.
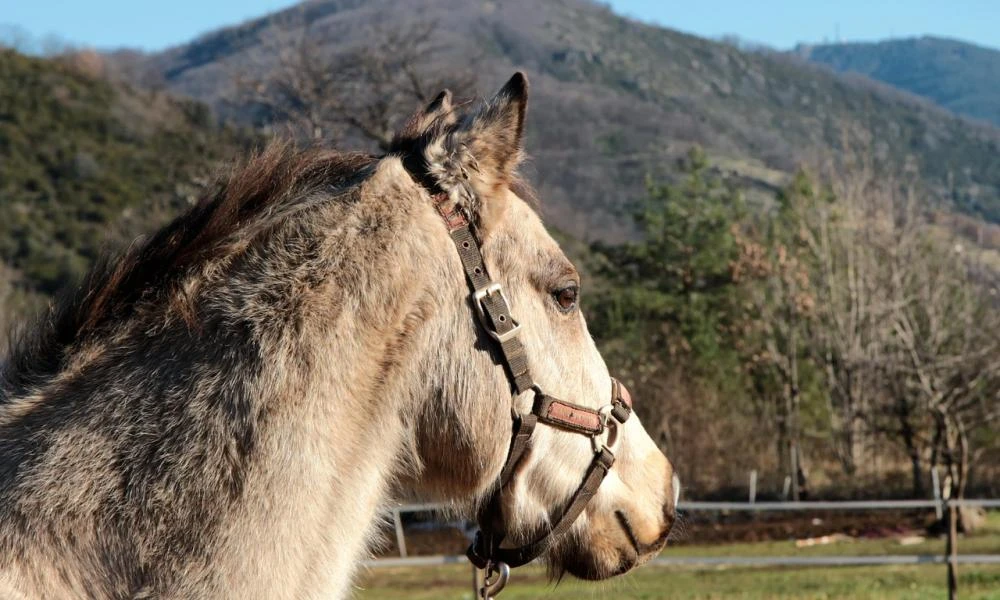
point(614, 100)
point(962, 77)
point(78, 154)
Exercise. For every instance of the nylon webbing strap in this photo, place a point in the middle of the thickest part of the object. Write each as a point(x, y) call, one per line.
point(490, 303)
point(493, 311)
point(621, 401)
point(481, 551)
point(487, 543)
point(523, 429)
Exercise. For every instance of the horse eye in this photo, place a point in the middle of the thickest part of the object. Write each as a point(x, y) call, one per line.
point(567, 297)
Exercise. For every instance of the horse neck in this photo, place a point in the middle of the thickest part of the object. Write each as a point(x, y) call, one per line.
point(265, 438)
point(345, 395)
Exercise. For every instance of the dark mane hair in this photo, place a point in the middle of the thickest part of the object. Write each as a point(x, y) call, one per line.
point(155, 265)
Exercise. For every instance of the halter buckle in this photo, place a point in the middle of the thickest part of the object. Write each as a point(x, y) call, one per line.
point(478, 297)
point(490, 589)
point(608, 438)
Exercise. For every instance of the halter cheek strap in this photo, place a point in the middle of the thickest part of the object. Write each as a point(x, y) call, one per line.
point(488, 298)
point(601, 425)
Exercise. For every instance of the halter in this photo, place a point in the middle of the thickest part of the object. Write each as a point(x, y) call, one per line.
point(601, 425)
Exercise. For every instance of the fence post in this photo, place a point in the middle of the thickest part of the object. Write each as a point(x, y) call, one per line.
point(753, 486)
point(400, 542)
point(936, 484)
point(952, 550)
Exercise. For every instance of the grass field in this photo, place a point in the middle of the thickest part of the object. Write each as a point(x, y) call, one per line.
point(647, 583)
point(920, 582)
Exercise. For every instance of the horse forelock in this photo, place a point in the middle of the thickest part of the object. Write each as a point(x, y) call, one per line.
point(276, 175)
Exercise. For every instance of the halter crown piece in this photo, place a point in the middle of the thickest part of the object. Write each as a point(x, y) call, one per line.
point(493, 311)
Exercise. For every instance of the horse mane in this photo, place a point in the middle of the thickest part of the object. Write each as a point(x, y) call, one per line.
point(155, 265)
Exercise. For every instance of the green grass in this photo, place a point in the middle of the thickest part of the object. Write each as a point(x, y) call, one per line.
point(918, 582)
point(647, 583)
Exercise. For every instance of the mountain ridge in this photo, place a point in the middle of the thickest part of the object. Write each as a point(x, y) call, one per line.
point(960, 76)
point(646, 95)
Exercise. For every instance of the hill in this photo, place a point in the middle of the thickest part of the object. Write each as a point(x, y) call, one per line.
point(691, 305)
point(79, 153)
point(962, 77)
point(615, 100)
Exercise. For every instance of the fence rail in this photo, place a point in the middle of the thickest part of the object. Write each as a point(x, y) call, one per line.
point(847, 505)
point(783, 506)
point(737, 561)
point(826, 561)
point(939, 505)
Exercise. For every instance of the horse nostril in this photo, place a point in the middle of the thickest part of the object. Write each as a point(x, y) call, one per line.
point(669, 515)
point(670, 506)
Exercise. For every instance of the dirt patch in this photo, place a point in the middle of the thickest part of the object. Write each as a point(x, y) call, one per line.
point(724, 528)
point(424, 541)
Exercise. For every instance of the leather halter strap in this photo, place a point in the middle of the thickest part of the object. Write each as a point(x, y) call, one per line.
point(493, 310)
point(489, 301)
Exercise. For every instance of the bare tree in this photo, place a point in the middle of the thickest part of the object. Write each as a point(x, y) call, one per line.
point(133, 66)
point(906, 325)
point(297, 77)
point(6, 304)
point(851, 307)
point(783, 304)
point(946, 352)
point(16, 38)
point(15, 304)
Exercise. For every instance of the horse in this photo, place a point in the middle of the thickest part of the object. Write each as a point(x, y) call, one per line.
point(226, 408)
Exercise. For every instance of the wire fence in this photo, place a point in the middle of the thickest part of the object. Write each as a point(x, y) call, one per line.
point(939, 506)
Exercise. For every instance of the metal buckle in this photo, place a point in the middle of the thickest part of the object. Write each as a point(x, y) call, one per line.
point(609, 437)
point(477, 298)
point(490, 589)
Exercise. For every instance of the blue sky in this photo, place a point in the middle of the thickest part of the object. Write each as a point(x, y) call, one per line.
point(154, 25)
point(783, 23)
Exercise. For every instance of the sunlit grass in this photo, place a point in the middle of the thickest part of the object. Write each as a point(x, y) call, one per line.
point(889, 583)
point(916, 582)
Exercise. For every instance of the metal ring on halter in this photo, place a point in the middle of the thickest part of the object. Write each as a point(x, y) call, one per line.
point(490, 589)
point(609, 438)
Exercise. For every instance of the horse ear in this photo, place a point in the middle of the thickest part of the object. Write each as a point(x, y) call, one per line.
point(439, 113)
point(481, 153)
point(493, 134)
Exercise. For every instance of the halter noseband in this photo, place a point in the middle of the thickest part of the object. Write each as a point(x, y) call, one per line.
point(493, 310)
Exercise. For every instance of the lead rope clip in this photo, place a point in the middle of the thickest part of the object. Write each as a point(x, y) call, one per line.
point(490, 589)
